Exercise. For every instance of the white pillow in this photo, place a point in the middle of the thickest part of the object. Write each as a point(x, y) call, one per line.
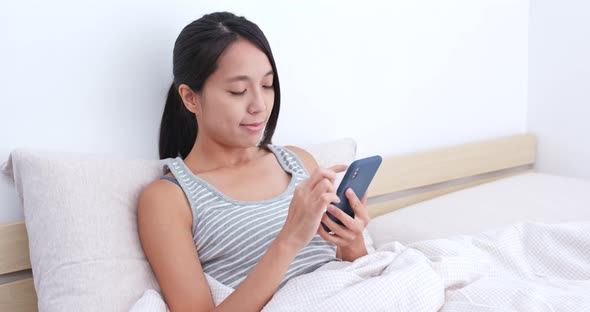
point(80, 214)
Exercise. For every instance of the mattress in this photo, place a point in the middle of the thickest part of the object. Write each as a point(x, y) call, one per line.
point(535, 197)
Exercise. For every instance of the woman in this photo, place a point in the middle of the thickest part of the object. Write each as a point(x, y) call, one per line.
point(232, 204)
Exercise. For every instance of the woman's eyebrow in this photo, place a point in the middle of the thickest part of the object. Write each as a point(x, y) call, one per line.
point(245, 77)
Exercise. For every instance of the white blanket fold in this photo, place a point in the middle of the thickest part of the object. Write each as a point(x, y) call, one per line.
point(521, 267)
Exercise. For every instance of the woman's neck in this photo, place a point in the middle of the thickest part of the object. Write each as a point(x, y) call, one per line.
point(208, 154)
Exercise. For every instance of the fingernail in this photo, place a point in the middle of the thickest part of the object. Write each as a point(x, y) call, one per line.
point(331, 208)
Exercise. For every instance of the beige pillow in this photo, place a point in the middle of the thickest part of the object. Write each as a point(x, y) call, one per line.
point(80, 214)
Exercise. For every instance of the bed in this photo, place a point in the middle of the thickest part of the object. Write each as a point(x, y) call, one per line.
point(420, 197)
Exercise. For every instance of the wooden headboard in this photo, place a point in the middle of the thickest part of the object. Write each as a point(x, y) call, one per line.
point(408, 179)
point(401, 181)
point(19, 295)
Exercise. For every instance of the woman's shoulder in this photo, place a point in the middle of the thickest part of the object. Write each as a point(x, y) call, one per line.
point(309, 162)
point(160, 198)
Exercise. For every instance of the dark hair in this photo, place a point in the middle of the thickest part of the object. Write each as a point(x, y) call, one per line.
point(195, 56)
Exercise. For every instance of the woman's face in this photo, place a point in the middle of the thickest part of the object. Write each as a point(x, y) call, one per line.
point(237, 99)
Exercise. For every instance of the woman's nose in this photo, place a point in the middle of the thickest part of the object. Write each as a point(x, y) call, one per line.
point(256, 102)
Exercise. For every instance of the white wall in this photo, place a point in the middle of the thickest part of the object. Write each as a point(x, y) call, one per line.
point(559, 85)
point(397, 76)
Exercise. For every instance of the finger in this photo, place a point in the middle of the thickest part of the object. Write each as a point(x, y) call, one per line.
point(332, 171)
point(323, 186)
point(338, 168)
point(347, 220)
point(320, 204)
point(324, 194)
point(332, 238)
point(359, 208)
point(338, 229)
point(318, 175)
point(326, 198)
point(364, 199)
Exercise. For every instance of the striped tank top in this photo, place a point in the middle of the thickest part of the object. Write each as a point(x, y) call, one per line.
point(231, 236)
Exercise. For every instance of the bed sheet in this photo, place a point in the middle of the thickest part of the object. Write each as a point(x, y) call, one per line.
point(535, 197)
point(519, 267)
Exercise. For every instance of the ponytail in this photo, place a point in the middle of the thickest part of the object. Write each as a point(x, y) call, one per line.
point(178, 129)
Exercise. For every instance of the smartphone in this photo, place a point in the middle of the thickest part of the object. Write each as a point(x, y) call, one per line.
point(358, 176)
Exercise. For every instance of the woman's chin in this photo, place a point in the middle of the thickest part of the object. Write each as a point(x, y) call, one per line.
point(249, 141)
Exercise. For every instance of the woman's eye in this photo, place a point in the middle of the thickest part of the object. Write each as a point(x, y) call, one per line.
point(243, 92)
point(238, 93)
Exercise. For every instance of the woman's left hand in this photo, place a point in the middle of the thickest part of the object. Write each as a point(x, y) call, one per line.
point(349, 238)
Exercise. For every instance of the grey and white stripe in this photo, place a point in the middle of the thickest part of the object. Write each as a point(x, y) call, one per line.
point(231, 236)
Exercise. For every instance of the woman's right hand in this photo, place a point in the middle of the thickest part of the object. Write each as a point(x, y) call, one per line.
point(310, 200)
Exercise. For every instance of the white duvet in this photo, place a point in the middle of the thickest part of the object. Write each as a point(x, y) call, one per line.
point(521, 267)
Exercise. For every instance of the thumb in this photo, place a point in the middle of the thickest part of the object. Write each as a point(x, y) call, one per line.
point(338, 168)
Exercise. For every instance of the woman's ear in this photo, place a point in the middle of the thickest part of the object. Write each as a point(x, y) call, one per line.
point(191, 100)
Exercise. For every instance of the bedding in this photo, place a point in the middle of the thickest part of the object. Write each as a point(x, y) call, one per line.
point(520, 267)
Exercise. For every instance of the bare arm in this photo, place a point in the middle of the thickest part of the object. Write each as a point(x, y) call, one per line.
point(165, 230)
point(164, 222)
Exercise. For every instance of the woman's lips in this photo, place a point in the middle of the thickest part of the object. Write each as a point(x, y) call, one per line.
point(253, 126)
